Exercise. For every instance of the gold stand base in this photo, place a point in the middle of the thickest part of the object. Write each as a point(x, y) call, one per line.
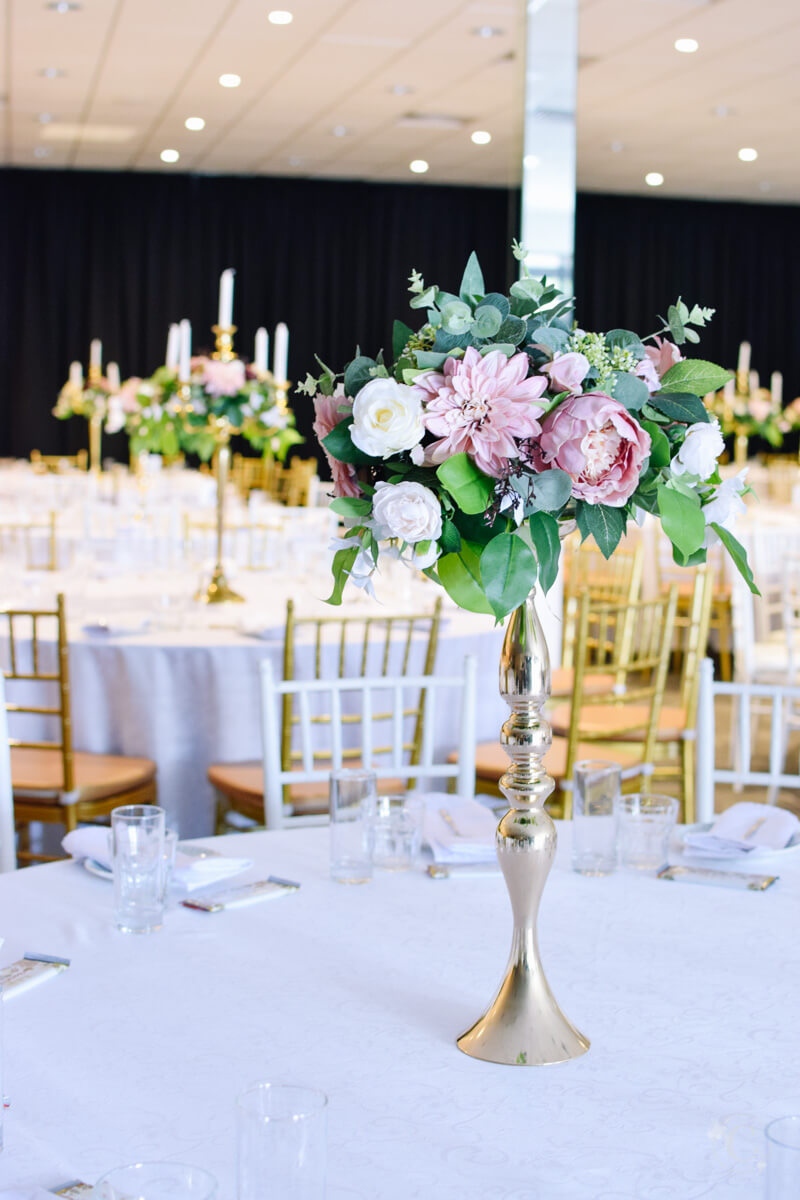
point(219, 592)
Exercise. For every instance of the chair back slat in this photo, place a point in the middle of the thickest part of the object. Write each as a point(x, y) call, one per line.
point(8, 857)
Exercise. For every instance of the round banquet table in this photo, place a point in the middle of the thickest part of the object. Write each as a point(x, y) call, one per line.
point(138, 1051)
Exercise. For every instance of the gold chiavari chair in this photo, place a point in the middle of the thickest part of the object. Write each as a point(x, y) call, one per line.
point(375, 645)
point(783, 476)
point(619, 723)
point(721, 620)
point(52, 782)
point(37, 539)
point(617, 580)
point(249, 474)
point(676, 733)
point(56, 463)
point(292, 485)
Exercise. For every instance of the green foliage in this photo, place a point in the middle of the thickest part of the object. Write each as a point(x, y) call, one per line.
point(456, 317)
point(401, 333)
point(339, 444)
point(450, 540)
point(343, 561)
point(682, 521)
point(488, 320)
point(466, 483)
point(680, 406)
point(357, 373)
point(738, 554)
point(548, 491)
point(605, 524)
point(660, 452)
point(472, 285)
point(460, 576)
point(629, 390)
point(695, 375)
point(508, 572)
point(625, 339)
point(547, 543)
point(352, 507)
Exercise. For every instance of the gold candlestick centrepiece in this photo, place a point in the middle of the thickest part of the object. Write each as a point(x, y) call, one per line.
point(95, 426)
point(524, 1025)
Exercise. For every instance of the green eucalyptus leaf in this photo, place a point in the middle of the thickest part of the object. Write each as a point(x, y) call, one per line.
point(499, 302)
point(400, 335)
point(466, 483)
point(456, 317)
point(630, 390)
point(626, 339)
point(676, 326)
point(430, 359)
point(505, 347)
point(472, 284)
point(488, 320)
point(508, 572)
point(527, 289)
point(460, 576)
point(424, 299)
point(682, 520)
point(553, 338)
point(514, 330)
point(357, 373)
point(695, 375)
point(550, 491)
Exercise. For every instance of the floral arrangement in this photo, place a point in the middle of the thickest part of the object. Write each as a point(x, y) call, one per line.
point(79, 398)
point(500, 421)
point(752, 415)
point(159, 419)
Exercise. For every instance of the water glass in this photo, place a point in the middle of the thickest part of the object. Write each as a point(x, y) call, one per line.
point(783, 1158)
point(156, 1181)
point(645, 823)
point(352, 798)
point(396, 831)
point(595, 790)
point(281, 1134)
point(139, 866)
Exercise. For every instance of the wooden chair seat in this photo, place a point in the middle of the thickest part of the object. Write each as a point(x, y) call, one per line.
point(242, 785)
point(612, 722)
point(563, 683)
point(491, 760)
point(97, 776)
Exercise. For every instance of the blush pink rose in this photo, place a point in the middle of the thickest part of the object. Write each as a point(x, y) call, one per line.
point(663, 355)
point(567, 372)
point(598, 443)
point(330, 411)
point(223, 379)
point(759, 408)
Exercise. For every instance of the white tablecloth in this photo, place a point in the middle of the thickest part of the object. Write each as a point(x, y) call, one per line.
point(689, 996)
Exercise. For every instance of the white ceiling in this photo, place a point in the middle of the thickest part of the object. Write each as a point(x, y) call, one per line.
point(133, 70)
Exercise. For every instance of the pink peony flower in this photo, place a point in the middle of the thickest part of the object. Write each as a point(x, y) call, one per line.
point(223, 379)
point(598, 443)
point(663, 355)
point(646, 370)
point(329, 411)
point(567, 372)
point(759, 408)
point(481, 406)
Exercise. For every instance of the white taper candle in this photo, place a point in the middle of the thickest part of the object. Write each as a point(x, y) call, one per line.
point(744, 358)
point(280, 355)
point(261, 355)
point(173, 346)
point(754, 382)
point(225, 318)
point(185, 356)
point(776, 391)
point(112, 375)
point(96, 354)
point(76, 374)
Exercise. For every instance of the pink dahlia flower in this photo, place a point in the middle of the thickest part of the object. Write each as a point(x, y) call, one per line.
point(481, 407)
point(598, 443)
point(567, 371)
point(329, 411)
point(223, 378)
point(663, 355)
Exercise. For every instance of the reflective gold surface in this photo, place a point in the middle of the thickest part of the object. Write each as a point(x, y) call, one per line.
point(524, 1025)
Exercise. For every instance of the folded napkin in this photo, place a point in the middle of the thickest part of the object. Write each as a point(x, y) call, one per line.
point(189, 872)
point(472, 839)
point(743, 828)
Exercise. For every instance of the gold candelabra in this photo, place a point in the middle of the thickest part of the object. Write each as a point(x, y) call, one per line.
point(95, 425)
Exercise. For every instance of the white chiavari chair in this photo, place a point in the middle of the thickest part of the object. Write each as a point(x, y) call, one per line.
point(8, 854)
point(772, 696)
point(385, 752)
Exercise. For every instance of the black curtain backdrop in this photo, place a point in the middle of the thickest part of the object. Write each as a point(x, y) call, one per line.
point(119, 256)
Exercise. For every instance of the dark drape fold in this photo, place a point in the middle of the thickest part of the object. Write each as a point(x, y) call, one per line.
point(119, 256)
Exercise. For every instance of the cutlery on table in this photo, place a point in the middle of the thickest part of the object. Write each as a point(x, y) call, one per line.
point(448, 820)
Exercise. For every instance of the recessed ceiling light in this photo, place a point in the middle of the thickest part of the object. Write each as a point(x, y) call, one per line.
point(721, 110)
point(295, 161)
point(418, 166)
point(230, 80)
point(765, 186)
point(340, 131)
point(686, 45)
point(42, 151)
point(400, 89)
point(44, 118)
point(654, 179)
point(195, 124)
point(62, 6)
point(481, 137)
point(52, 72)
point(488, 31)
point(169, 156)
point(748, 154)
point(280, 16)
point(617, 147)
point(531, 161)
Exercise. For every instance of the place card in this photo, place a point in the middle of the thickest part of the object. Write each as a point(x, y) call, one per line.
point(729, 879)
point(74, 1190)
point(248, 893)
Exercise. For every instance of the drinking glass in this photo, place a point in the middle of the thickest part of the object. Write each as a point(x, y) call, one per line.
point(138, 863)
point(783, 1158)
point(156, 1181)
point(352, 796)
point(281, 1133)
point(396, 831)
point(595, 789)
point(645, 822)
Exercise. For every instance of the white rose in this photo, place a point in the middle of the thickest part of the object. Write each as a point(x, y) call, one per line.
point(407, 511)
point(725, 506)
point(701, 448)
point(387, 418)
point(115, 421)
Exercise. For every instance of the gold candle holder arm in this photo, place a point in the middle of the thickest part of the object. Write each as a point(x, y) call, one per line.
point(95, 425)
point(219, 590)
